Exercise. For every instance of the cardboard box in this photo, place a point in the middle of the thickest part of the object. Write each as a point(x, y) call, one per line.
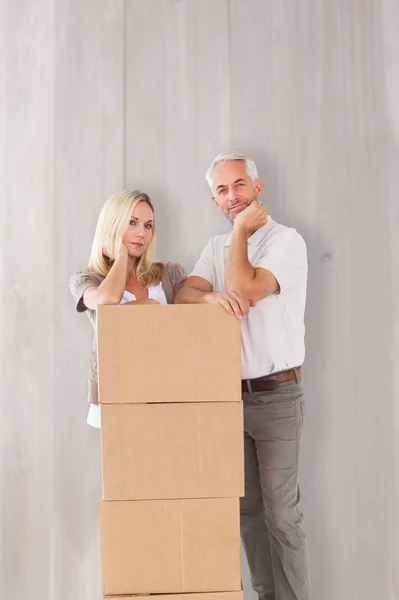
point(170, 546)
point(175, 353)
point(163, 451)
point(206, 596)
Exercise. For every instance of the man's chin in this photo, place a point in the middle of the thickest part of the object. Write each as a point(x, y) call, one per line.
point(234, 214)
point(228, 217)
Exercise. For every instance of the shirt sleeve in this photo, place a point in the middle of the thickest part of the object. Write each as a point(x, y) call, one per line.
point(179, 277)
point(78, 284)
point(204, 265)
point(286, 259)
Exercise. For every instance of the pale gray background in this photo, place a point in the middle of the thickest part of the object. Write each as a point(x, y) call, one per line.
point(98, 95)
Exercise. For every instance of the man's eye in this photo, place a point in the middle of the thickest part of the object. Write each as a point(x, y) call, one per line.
point(222, 191)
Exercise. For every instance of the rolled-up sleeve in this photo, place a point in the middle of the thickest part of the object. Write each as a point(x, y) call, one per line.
point(78, 284)
point(179, 277)
point(286, 259)
point(204, 266)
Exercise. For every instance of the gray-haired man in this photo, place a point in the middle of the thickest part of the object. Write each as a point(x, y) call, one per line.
point(258, 272)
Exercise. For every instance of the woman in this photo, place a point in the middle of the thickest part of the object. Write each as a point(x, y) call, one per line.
point(121, 269)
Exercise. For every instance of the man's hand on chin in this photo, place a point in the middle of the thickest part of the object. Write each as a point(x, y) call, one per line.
point(251, 218)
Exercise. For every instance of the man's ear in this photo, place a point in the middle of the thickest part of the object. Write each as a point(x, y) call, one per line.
point(258, 188)
point(215, 201)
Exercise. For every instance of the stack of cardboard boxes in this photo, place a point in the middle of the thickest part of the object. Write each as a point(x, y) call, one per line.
point(172, 452)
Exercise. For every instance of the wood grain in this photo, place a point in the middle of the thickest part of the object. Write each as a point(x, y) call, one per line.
point(105, 94)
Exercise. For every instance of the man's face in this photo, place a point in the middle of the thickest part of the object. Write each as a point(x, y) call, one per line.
point(233, 188)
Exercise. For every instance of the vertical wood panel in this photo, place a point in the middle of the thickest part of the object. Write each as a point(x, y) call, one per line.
point(390, 89)
point(177, 114)
point(89, 135)
point(64, 108)
point(27, 410)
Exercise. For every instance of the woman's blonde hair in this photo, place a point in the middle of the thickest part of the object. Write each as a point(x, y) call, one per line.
point(112, 224)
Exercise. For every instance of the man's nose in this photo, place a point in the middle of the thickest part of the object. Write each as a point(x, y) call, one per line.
point(231, 195)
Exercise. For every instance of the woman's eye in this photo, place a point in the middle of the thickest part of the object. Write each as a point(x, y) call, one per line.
point(149, 226)
point(131, 223)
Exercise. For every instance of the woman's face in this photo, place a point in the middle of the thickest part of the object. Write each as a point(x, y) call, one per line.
point(139, 233)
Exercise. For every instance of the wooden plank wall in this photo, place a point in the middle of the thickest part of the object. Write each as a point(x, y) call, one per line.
point(101, 94)
point(62, 107)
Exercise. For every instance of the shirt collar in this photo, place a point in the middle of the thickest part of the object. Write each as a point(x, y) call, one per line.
point(256, 237)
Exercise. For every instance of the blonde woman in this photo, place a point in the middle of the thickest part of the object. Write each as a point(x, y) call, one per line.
point(121, 269)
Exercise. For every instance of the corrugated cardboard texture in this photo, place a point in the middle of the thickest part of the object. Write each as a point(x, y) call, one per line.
point(177, 353)
point(205, 596)
point(170, 546)
point(163, 451)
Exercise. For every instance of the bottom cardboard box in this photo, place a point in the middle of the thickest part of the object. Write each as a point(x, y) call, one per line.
point(170, 546)
point(205, 596)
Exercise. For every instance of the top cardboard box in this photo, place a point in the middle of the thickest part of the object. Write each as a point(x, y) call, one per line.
point(168, 353)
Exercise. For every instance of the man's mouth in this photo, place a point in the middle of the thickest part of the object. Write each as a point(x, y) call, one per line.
point(240, 206)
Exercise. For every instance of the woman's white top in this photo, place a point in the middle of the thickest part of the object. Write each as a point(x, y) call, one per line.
point(155, 293)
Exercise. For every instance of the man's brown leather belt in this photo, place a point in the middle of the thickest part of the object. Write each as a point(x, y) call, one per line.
point(270, 382)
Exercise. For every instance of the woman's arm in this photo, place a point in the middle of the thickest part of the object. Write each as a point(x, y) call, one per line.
point(110, 291)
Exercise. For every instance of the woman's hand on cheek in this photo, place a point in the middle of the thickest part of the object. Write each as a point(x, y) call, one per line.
point(122, 251)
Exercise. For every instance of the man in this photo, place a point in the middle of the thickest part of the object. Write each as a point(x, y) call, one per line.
point(258, 273)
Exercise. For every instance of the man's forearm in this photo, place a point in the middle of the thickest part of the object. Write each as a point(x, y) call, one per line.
point(239, 271)
point(231, 301)
point(191, 295)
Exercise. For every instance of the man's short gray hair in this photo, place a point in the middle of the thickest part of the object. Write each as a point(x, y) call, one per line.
point(226, 156)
